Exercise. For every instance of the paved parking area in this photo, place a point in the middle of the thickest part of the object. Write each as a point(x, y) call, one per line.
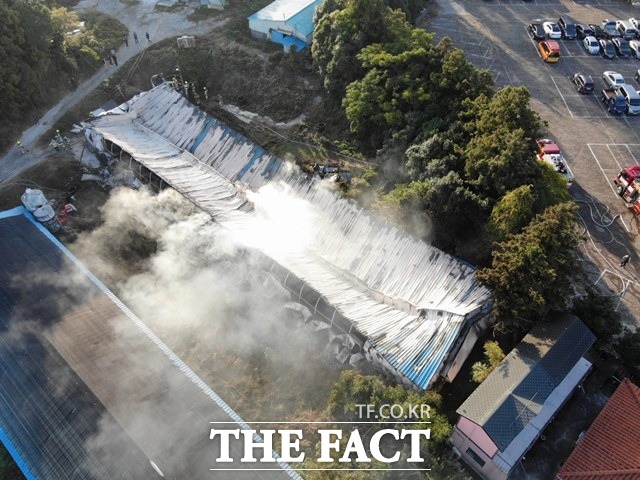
point(596, 143)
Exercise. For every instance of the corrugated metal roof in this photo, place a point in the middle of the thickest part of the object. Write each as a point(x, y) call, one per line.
point(297, 13)
point(610, 448)
point(87, 391)
point(514, 393)
point(409, 298)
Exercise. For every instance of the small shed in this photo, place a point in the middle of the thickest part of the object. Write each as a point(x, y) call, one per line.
point(287, 22)
point(186, 41)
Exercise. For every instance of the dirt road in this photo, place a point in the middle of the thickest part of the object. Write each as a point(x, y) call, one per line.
point(139, 18)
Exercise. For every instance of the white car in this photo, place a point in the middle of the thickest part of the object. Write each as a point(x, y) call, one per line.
point(552, 30)
point(612, 79)
point(635, 22)
point(634, 45)
point(591, 45)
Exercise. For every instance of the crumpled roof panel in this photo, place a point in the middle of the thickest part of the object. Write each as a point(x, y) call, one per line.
point(408, 298)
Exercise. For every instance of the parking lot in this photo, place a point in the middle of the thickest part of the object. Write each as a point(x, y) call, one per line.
point(596, 144)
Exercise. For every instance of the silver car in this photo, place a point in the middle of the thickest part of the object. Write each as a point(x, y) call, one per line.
point(612, 79)
point(591, 45)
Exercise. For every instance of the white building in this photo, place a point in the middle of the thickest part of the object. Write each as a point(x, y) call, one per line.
point(288, 22)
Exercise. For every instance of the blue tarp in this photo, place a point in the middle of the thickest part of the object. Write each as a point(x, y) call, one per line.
point(287, 40)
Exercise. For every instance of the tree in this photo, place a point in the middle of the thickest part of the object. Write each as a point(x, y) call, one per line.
point(531, 271)
point(598, 313)
point(434, 157)
point(507, 110)
point(500, 161)
point(628, 346)
point(411, 89)
point(512, 212)
point(342, 29)
point(456, 211)
point(493, 355)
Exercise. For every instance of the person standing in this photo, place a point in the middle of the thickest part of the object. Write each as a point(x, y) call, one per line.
point(126, 40)
point(20, 146)
point(148, 37)
point(115, 59)
point(135, 37)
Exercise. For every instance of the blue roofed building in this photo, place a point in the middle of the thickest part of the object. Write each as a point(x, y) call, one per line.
point(287, 22)
point(507, 413)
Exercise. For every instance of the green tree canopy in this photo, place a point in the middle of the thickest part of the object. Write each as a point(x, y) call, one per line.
point(531, 272)
point(493, 355)
point(411, 89)
point(598, 313)
point(354, 389)
point(342, 29)
point(512, 212)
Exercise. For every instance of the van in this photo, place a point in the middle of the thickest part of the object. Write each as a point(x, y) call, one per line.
point(549, 51)
point(632, 98)
point(626, 29)
point(567, 27)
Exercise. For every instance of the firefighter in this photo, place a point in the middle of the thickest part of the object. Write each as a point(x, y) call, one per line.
point(20, 147)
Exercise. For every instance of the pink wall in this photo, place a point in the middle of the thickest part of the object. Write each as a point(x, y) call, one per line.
point(477, 435)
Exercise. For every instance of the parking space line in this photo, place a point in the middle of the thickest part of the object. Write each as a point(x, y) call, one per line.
point(631, 153)
point(602, 169)
point(562, 96)
point(613, 155)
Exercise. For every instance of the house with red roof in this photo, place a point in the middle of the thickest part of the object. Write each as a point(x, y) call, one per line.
point(610, 449)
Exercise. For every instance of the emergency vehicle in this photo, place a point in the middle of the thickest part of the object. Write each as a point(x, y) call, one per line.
point(628, 186)
point(549, 152)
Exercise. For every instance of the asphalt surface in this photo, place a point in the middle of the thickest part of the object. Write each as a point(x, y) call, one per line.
point(595, 143)
point(139, 18)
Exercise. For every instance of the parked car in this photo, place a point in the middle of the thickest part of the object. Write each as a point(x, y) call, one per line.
point(549, 51)
point(591, 45)
point(626, 29)
point(597, 30)
point(635, 22)
point(567, 27)
point(622, 47)
point(610, 29)
point(536, 31)
point(607, 49)
point(612, 79)
point(583, 83)
point(552, 30)
point(613, 101)
point(583, 31)
point(637, 75)
point(632, 98)
point(634, 45)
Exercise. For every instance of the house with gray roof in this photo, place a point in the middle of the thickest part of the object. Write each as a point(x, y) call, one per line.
point(508, 412)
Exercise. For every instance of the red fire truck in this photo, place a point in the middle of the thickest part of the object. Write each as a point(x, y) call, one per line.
point(628, 187)
point(549, 152)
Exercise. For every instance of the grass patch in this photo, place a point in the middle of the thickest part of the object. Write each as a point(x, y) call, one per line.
point(108, 31)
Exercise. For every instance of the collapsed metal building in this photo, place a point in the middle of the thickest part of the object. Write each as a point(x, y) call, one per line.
point(405, 305)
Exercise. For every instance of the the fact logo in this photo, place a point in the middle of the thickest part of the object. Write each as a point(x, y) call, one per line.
point(335, 445)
